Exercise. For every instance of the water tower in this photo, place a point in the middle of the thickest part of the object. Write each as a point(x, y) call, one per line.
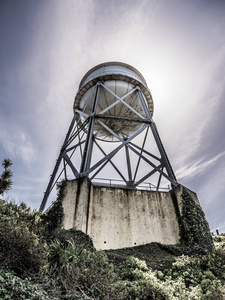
point(115, 162)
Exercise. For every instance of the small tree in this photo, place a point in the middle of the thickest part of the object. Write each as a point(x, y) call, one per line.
point(6, 176)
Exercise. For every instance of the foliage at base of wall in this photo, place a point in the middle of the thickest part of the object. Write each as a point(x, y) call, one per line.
point(194, 227)
point(52, 219)
point(73, 236)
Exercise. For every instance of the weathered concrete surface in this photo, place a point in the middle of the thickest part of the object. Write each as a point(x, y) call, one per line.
point(76, 204)
point(125, 218)
point(69, 204)
point(118, 217)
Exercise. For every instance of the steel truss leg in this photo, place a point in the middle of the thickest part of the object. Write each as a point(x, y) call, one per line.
point(139, 158)
point(159, 142)
point(163, 154)
point(128, 165)
point(89, 139)
point(47, 192)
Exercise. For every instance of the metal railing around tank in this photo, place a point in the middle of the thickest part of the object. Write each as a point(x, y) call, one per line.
point(120, 184)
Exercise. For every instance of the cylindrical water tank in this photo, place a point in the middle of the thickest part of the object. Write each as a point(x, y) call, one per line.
point(118, 81)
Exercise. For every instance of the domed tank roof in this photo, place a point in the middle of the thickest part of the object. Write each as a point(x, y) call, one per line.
point(112, 67)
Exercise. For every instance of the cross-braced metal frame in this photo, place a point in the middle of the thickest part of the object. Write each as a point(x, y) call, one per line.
point(76, 155)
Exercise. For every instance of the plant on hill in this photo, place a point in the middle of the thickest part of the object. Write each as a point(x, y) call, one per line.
point(39, 260)
point(6, 177)
point(21, 249)
point(13, 287)
point(52, 219)
point(195, 228)
point(83, 274)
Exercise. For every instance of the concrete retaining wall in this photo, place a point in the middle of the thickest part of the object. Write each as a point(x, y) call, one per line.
point(119, 217)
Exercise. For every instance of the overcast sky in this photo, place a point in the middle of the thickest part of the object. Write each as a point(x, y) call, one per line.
point(178, 46)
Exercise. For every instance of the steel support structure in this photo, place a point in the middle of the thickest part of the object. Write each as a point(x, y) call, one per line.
point(76, 155)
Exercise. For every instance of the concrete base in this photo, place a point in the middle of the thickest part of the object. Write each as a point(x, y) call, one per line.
point(119, 217)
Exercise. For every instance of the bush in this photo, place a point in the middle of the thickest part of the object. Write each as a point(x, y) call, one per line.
point(20, 214)
point(20, 249)
point(82, 272)
point(13, 287)
point(6, 176)
point(202, 272)
point(195, 228)
point(75, 236)
point(51, 220)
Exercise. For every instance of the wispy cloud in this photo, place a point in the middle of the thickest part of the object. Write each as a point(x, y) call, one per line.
point(197, 167)
point(17, 142)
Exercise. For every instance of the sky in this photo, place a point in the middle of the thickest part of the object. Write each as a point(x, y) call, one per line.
point(46, 48)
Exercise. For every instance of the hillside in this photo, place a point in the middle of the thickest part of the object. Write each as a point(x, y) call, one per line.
point(38, 260)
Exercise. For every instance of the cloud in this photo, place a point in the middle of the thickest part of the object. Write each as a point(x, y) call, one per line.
point(17, 142)
point(197, 167)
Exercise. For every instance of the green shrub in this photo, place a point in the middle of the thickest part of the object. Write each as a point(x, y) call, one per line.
point(138, 289)
point(52, 218)
point(81, 272)
point(6, 176)
point(13, 287)
point(219, 242)
point(195, 228)
point(20, 250)
point(75, 236)
point(200, 272)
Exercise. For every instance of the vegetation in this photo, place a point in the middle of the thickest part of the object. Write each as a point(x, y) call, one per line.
point(38, 260)
point(6, 176)
point(194, 226)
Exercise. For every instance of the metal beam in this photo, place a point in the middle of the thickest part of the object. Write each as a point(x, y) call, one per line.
point(118, 171)
point(112, 153)
point(146, 176)
point(159, 180)
point(153, 165)
point(144, 105)
point(74, 170)
point(76, 133)
point(139, 158)
point(158, 142)
point(46, 194)
point(88, 145)
point(117, 97)
point(128, 164)
point(110, 130)
point(163, 154)
point(146, 152)
point(145, 121)
point(121, 100)
point(75, 146)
